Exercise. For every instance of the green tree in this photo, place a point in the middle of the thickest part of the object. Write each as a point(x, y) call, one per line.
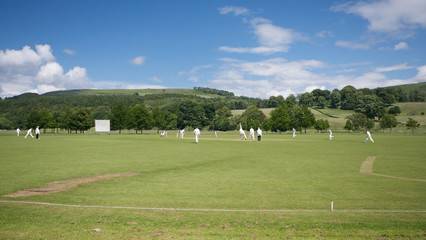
point(280, 118)
point(222, 119)
point(308, 118)
point(348, 98)
point(349, 126)
point(158, 117)
point(291, 98)
point(395, 110)
point(171, 120)
point(119, 117)
point(46, 120)
point(370, 123)
point(5, 123)
point(33, 119)
point(252, 117)
point(321, 102)
point(358, 120)
point(388, 121)
point(321, 125)
point(193, 115)
point(305, 99)
point(371, 106)
point(140, 118)
point(413, 124)
point(335, 98)
point(83, 119)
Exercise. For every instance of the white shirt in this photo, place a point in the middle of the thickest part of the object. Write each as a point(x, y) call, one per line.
point(37, 131)
point(259, 132)
point(197, 132)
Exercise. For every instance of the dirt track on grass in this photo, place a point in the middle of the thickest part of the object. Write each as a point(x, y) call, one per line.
point(367, 168)
point(59, 186)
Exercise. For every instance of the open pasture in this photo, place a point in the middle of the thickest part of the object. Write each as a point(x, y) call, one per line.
point(220, 188)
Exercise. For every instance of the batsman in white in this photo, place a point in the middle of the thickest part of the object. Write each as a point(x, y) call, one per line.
point(197, 134)
point(251, 134)
point(368, 136)
point(331, 134)
point(294, 132)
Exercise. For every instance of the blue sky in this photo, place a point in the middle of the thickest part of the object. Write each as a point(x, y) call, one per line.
point(252, 48)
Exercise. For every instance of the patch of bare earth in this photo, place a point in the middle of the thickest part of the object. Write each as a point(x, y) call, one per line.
point(59, 186)
point(367, 168)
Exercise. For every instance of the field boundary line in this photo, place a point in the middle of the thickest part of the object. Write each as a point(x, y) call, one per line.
point(367, 168)
point(216, 210)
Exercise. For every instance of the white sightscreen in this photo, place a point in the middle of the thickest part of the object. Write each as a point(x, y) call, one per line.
point(102, 125)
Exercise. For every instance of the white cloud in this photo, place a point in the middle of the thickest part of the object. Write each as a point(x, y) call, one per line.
point(401, 46)
point(421, 75)
point(271, 38)
point(402, 66)
point(36, 71)
point(197, 68)
point(193, 79)
point(352, 45)
point(278, 76)
point(69, 51)
point(324, 34)
point(139, 60)
point(24, 60)
point(156, 79)
point(389, 16)
point(313, 87)
point(233, 10)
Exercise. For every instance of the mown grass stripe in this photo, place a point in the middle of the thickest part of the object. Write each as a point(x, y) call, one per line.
point(216, 210)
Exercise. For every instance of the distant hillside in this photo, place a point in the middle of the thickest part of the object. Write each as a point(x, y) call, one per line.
point(415, 86)
point(138, 92)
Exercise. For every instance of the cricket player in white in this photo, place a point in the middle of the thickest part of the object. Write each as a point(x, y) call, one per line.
point(368, 136)
point(182, 133)
point(259, 134)
point(294, 132)
point(242, 133)
point(331, 134)
point(18, 131)
point(29, 132)
point(37, 132)
point(197, 134)
point(251, 134)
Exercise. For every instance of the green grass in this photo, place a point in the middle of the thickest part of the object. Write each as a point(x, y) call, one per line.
point(301, 175)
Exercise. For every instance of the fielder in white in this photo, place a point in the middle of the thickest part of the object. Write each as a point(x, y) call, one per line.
point(368, 137)
point(259, 134)
point(251, 134)
point(242, 133)
point(197, 134)
point(29, 132)
point(294, 132)
point(331, 134)
point(18, 131)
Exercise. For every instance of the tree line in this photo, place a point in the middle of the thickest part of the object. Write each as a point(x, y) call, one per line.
point(178, 111)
